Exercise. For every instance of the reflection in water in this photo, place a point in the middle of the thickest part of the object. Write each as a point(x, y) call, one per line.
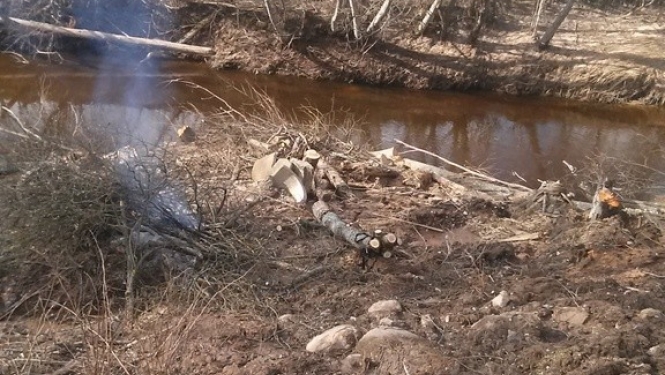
point(500, 134)
point(120, 125)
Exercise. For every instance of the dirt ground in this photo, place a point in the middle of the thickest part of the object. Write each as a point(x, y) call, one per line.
point(583, 298)
point(609, 55)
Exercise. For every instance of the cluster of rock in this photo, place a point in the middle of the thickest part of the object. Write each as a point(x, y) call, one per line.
point(389, 347)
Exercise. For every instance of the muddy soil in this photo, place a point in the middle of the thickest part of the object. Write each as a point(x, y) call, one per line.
point(584, 298)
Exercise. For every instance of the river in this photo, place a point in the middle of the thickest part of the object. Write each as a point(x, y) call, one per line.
point(502, 135)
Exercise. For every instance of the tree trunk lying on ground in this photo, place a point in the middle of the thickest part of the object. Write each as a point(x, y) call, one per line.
point(99, 35)
point(369, 245)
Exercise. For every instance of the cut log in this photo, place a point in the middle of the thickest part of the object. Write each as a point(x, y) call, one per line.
point(99, 35)
point(283, 176)
point(357, 238)
point(334, 177)
point(367, 244)
point(312, 157)
point(305, 173)
point(262, 167)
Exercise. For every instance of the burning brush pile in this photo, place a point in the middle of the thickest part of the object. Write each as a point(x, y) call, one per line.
point(76, 223)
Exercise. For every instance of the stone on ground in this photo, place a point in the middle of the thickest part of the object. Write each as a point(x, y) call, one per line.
point(575, 316)
point(341, 337)
point(386, 308)
point(398, 351)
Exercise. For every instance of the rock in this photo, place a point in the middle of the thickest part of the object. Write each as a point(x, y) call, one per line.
point(575, 316)
point(510, 320)
point(430, 328)
point(650, 313)
point(386, 322)
point(186, 134)
point(501, 300)
point(657, 351)
point(489, 322)
point(262, 167)
point(389, 334)
point(341, 337)
point(398, 351)
point(286, 321)
point(353, 364)
point(384, 308)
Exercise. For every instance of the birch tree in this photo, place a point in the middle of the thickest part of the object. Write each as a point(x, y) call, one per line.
point(544, 41)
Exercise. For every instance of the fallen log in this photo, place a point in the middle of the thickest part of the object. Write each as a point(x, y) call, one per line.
point(459, 184)
point(367, 244)
point(467, 170)
point(99, 35)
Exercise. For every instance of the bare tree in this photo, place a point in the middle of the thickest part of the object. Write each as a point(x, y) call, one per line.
point(338, 4)
point(540, 6)
point(544, 41)
point(354, 20)
point(428, 16)
point(379, 16)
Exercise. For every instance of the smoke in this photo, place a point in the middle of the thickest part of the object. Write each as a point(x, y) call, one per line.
point(133, 72)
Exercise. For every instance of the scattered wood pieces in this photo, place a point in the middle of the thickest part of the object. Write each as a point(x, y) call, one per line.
point(521, 237)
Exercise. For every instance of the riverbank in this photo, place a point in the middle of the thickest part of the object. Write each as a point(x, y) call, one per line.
point(602, 53)
point(598, 55)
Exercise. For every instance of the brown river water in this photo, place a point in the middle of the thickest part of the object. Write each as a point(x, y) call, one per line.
point(500, 134)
